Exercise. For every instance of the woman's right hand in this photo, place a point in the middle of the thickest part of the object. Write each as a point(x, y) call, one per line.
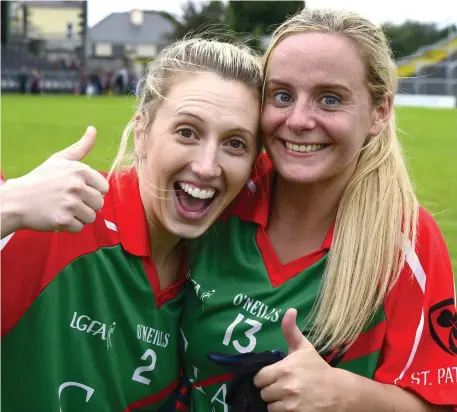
point(62, 194)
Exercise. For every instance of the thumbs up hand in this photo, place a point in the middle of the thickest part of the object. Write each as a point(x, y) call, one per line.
point(61, 194)
point(79, 150)
point(302, 381)
point(294, 337)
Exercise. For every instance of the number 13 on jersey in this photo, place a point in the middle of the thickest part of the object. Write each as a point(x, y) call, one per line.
point(250, 334)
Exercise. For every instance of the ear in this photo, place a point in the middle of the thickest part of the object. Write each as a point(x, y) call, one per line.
point(380, 116)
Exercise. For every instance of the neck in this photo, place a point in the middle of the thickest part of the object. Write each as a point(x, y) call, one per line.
point(166, 250)
point(307, 208)
point(164, 245)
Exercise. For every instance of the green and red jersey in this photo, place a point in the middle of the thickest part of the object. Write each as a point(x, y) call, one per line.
point(238, 292)
point(85, 324)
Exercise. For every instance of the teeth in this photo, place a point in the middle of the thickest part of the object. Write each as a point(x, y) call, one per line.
point(304, 148)
point(196, 192)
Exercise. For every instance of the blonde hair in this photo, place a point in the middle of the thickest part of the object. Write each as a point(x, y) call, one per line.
point(377, 214)
point(228, 60)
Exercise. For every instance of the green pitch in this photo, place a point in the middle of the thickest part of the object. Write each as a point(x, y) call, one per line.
point(34, 127)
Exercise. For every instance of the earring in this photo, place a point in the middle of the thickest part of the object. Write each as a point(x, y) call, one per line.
point(251, 185)
point(140, 155)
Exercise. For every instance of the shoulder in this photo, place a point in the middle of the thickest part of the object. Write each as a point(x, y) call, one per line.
point(428, 269)
point(31, 260)
point(428, 234)
point(430, 254)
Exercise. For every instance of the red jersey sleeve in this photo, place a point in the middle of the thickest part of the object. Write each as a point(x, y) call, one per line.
point(420, 347)
point(31, 260)
point(24, 260)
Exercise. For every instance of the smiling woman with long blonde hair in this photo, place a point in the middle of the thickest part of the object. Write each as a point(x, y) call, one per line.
point(330, 227)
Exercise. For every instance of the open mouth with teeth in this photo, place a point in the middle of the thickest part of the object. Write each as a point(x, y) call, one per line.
point(193, 202)
point(304, 148)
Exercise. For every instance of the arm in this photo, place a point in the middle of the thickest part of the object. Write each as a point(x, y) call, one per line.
point(61, 194)
point(10, 210)
point(418, 363)
point(304, 382)
point(419, 351)
point(417, 368)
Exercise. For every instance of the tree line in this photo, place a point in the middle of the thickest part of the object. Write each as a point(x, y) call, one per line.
point(251, 20)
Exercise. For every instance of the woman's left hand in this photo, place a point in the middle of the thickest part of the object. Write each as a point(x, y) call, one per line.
point(301, 382)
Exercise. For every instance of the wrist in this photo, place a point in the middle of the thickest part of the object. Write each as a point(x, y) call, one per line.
point(347, 390)
point(12, 208)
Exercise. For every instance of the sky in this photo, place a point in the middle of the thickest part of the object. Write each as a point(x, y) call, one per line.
point(443, 12)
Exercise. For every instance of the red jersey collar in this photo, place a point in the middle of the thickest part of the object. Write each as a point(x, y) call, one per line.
point(130, 217)
point(253, 204)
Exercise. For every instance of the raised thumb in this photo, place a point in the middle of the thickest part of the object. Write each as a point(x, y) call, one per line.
point(79, 150)
point(294, 337)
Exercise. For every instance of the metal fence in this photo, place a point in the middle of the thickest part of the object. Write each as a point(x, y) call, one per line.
point(439, 79)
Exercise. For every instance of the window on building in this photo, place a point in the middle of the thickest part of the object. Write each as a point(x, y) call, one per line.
point(69, 30)
point(118, 50)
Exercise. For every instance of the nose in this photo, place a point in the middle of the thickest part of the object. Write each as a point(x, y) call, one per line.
point(301, 118)
point(206, 163)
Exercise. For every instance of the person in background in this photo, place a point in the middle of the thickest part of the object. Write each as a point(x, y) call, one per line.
point(23, 79)
point(35, 82)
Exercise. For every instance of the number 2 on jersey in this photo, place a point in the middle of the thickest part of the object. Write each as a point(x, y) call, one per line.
point(256, 325)
point(147, 368)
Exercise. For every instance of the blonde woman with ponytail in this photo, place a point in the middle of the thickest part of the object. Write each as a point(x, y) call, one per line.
point(93, 266)
point(329, 240)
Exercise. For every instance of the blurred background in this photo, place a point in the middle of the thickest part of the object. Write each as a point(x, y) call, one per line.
point(68, 64)
point(70, 46)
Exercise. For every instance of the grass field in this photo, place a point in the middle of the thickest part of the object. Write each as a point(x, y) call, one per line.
point(32, 128)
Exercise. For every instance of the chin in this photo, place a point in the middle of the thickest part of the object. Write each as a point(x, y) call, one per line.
point(299, 174)
point(188, 231)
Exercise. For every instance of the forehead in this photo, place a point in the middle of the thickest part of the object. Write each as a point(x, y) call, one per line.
point(209, 94)
point(314, 56)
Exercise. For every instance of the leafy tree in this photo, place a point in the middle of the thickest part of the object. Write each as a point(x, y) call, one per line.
point(257, 16)
point(197, 16)
point(406, 38)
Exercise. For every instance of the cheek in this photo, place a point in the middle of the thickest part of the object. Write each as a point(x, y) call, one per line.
point(272, 118)
point(344, 130)
point(167, 157)
point(237, 172)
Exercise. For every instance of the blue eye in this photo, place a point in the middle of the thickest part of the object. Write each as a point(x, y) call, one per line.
point(330, 100)
point(282, 98)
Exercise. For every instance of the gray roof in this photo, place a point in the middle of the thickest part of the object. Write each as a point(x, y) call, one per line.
point(117, 28)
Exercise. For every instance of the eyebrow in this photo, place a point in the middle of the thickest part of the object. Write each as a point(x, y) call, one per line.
point(326, 85)
point(277, 82)
point(235, 129)
point(243, 130)
point(335, 85)
point(184, 113)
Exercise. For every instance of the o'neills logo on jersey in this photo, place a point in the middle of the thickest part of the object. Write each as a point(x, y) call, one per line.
point(257, 308)
point(153, 336)
point(94, 327)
